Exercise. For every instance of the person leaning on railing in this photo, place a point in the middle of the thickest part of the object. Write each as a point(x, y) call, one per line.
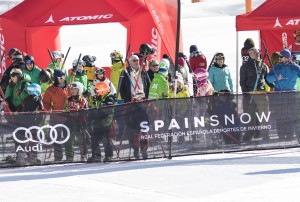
point(285, 75)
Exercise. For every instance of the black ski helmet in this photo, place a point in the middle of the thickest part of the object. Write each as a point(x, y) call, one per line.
point(28, 59)
point(11, 52)
point(89, 60)
point(45, 76)
point(146, 49)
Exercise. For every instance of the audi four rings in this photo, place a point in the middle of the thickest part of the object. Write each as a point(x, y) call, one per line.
point(41, 134)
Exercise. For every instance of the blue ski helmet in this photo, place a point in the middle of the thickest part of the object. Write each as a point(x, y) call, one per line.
point(34, 89)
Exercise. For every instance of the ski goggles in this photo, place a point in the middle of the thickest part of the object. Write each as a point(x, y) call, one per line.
point(28, 62)
point(99, 71)
point(14, 74)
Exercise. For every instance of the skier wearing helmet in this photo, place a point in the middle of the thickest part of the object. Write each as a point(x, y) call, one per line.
point(17, 62)
point(204, 87)
point(16, 90)
point(117, 67)
point(78, 75)
point(74, 103)
point(31, 69)
point(89, 67)
point(99, 77)
point(31, 103)
point(57, 58)
point(54, 100)
point(102, 121)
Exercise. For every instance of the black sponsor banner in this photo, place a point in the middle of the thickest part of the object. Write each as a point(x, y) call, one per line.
point(152, 129)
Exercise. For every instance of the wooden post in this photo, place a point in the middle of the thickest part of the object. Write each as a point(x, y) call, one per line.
point(248, 5)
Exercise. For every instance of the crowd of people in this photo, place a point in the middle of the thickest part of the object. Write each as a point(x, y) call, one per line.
point(26, 87)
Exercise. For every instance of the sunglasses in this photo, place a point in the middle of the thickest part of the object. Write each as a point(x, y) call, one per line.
point(61, 77)
point(135, 60)
point(155, 65)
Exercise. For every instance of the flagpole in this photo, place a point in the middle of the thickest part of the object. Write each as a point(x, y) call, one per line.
point(170, 139)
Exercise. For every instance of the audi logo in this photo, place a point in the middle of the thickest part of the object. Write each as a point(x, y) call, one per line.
point(41, 134)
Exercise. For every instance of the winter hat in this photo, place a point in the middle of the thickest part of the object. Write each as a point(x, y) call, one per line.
point(164, 63)
point(249, 43)
point(181, 62)
point(285, 53)
point(201, 76)
point(193, 48)
point(58, 73)
point(163, 71)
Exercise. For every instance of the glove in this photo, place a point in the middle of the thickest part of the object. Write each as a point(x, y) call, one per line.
point(96, 97)
point(86, 94)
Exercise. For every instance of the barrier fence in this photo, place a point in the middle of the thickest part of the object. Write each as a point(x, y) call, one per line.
point(152, 129)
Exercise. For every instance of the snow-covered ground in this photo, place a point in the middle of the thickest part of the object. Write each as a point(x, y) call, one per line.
point(237, 177)
point(272, 175)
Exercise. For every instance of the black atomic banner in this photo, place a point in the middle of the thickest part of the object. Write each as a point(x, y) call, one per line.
point(152, 129)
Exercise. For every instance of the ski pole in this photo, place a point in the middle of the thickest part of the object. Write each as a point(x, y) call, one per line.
point(51, 56)
point(63, 64)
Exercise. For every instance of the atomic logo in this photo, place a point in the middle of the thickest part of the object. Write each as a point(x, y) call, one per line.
point(50, 20)
point(277, 23)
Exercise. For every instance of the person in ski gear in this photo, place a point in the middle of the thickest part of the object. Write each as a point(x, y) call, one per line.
point(204, 86)
point(116, 68)
point(32, 103)
point(78, 75)
point(219, 74)
point(74, 103)
point(54, 100)
point(16, 90)
point(159, 86)
point(57, 58)
point(46, 79)
point(89, 67)
point(135, 82)
point(285, 75)
point(253, 81)
point(100, 76)
point(248, 43)
point(17, 62)
point(101, 123)
point(182, 90)
point(153, 66)
point(31, 69)
point(197, 59)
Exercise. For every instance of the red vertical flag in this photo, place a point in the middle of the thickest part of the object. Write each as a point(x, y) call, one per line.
point(165, 15)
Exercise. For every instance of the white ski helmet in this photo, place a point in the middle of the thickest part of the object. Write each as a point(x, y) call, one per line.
point(56, 54)
point(77, 85)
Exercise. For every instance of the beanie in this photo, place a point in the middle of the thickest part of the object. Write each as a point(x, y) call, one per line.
point(58, 73)
point(193, 48)
point(285, 53)
point(181, 62)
